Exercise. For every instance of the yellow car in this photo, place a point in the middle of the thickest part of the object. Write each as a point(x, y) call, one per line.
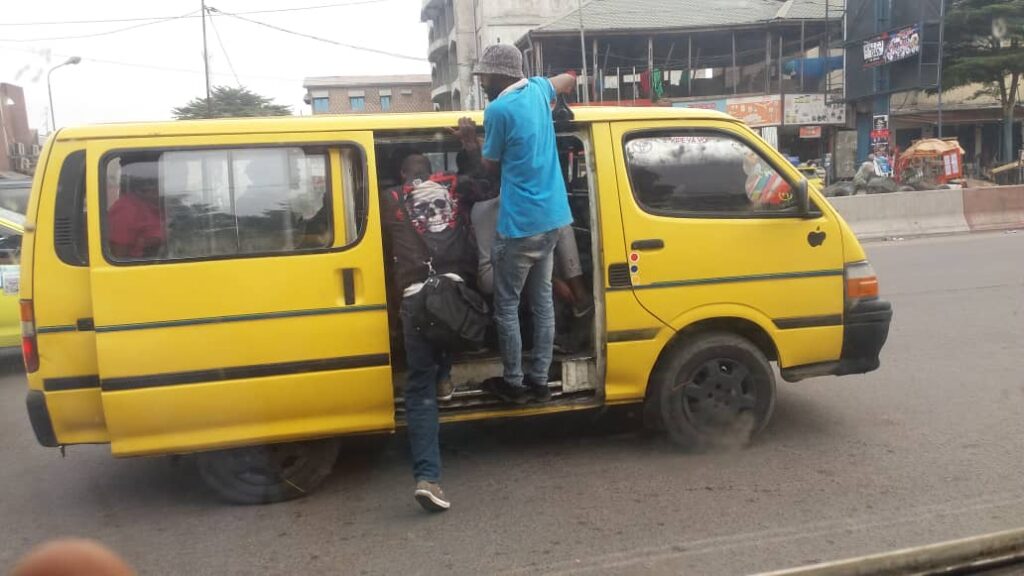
point(235, 305)
point(13, 198)
point(814, 174)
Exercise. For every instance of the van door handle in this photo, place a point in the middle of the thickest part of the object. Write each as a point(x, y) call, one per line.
point(649, 244)
point(348, 285)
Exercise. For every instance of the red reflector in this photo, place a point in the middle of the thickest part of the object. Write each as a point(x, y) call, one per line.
point(29, 349)
point(30, 353)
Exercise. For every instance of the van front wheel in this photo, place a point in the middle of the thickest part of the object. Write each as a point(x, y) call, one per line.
point(714, 390)
point(270, 473)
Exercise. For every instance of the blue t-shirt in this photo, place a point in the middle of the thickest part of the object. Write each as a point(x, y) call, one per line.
point(519, 133)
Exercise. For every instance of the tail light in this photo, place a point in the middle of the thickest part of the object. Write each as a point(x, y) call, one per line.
point(29, 348)
point(861, 283)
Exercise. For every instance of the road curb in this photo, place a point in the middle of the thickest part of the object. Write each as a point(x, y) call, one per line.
point(976, 551)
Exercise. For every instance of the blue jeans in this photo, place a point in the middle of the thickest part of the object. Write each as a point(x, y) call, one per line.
point(426, 366)
point(524, 263)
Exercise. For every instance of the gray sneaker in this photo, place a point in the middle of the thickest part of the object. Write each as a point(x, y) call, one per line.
point(445, 389)
point(431, 497)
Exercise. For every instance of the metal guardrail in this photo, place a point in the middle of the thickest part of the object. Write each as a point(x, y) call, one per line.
point(968, 555)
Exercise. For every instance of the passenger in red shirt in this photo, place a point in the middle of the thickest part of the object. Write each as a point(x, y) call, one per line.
point(136, 228)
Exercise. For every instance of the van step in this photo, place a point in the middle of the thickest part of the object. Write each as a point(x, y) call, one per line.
point(476, 400)
point(472, 397)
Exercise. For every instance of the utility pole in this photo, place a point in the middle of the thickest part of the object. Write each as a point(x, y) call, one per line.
point(942, 33)
point(583, 55)
point(206, 64)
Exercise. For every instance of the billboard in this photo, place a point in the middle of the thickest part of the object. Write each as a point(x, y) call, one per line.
point(892, 46)
point(875, 63)
point(812, 109)
point(754, 110)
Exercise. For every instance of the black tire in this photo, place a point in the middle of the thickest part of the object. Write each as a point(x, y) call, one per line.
point(269, 473)
point(712, 390)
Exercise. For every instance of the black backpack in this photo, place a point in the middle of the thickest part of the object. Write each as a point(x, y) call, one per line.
point(450, 314)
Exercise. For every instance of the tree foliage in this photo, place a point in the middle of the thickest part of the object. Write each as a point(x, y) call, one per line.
point(984, 44)
point(228, 102)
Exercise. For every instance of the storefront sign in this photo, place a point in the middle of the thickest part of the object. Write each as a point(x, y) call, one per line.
point(812, 109)
point(810, 131)
point(718, 105)
point(892, 46)
point(756, 110)
point(880, 136)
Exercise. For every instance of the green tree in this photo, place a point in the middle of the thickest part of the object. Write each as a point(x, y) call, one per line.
point(227, 102)
point(984, 44)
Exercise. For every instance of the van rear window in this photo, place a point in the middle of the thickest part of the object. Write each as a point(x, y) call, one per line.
point(195, 204)
point(70, 239)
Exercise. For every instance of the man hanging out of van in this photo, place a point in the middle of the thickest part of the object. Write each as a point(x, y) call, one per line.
point(426, 233)
point(519, 136)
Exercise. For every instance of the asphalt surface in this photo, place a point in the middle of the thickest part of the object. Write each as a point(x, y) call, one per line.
point(928, 448)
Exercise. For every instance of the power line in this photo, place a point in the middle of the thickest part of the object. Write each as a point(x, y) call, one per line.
point(192, 15)
point(97, 34)
point(153, 66)
point(216, 33)
point(318, 38)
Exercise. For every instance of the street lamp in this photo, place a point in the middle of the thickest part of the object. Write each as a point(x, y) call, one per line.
point(71, 60)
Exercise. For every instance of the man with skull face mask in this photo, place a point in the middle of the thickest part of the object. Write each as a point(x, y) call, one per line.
point(426, 230)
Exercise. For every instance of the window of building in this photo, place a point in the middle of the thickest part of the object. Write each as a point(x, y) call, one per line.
point(357, 103)
point(704, 174)
point(321, 105)
point(190, 204)
point(385, 103)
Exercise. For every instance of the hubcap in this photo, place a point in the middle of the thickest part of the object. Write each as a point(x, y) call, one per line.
point(716, 393)
point(266, 465)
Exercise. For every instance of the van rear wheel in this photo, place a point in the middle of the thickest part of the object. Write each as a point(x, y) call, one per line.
point(269, 473)
point(714, 390)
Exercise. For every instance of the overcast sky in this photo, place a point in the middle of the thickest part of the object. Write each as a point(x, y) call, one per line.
point(141, 74)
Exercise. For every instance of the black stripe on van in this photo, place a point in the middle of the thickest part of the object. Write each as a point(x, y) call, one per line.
point(239, 318)
point(71, 383)
point(734, 279)
point(239, 372)
point(808, 321)
point(632, 335)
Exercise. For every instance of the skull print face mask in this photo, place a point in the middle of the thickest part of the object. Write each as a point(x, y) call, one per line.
point(431, 206)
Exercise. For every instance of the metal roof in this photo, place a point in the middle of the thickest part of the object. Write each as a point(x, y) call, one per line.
point(614, 15)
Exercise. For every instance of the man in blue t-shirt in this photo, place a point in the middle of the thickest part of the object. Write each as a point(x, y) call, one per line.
point(519, 137)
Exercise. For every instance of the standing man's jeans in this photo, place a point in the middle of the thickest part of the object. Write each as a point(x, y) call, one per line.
point(426, 367)
point(524, 263)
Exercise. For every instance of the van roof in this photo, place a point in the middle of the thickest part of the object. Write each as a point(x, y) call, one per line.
point(377, 122)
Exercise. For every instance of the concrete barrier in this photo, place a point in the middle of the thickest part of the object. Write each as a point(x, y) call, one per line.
point(928, 212)
point(994, 208)
point(904, 213)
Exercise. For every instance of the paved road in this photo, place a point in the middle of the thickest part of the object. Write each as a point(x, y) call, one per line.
point(927, 448)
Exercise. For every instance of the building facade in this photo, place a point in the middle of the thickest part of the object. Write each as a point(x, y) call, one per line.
point(460, 29)
point(20, 144)
point(770, 63)
point(368, 94)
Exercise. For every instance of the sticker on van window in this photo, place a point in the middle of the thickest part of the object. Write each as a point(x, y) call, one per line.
point(11, 279)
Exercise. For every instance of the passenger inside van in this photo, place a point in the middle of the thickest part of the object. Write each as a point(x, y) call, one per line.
point(135, 218)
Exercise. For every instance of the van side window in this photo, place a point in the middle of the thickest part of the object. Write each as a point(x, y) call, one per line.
point(195, 204)
point(695, 174)
point(70, 238)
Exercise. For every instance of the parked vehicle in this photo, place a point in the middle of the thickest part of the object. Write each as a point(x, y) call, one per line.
point(248, 320)
point(13, 202)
